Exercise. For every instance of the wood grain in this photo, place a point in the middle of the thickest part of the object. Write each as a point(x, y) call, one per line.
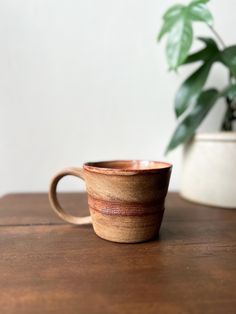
point(47, 266)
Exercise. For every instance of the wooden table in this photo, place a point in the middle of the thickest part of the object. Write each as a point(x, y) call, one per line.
point(48, 266)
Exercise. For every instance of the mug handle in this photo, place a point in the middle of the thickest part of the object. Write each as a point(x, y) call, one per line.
point(72, 171)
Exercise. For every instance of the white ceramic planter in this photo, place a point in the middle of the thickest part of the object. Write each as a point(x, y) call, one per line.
point(209, 169)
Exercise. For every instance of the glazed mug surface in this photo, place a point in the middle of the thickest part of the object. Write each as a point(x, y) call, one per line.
point(125, 197)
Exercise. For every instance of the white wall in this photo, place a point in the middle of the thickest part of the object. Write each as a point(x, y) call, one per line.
point(85, 80)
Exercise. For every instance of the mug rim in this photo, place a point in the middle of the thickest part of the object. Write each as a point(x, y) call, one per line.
point(97, 167)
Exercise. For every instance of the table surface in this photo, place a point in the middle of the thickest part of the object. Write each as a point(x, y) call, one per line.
point(48, 266)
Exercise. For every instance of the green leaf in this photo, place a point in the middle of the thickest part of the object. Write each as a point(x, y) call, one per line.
point(173, 11)
point(191, 88)
point(170, 18)
point(200, 1)
point(205, 54)
point(179, 42)
point(166, 26)
point(228, 57)
point(199, 12)
point(229, 91)
point(201, 55)
point(208, 41)
point(178, 24)
point(190, 123)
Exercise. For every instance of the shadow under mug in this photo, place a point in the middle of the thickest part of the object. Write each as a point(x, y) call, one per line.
point(125, 197)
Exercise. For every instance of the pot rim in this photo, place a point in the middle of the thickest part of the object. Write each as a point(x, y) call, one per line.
point(222, 136)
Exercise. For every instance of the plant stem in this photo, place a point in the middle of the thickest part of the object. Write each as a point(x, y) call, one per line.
point(217, 36)
point(227, 124)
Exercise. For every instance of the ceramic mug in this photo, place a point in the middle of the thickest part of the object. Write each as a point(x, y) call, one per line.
point(125, 197)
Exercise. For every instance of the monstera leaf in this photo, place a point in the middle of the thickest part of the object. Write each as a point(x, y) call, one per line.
point(228, 56)
point(200, 1)
point(199, 12)
point(194, 84)
point(192, 103)
point(191, 88)
point(210, 51)
point(177, 23)
point(189, 124)
point(229, 92)
point(179, 42)
point(170, 18)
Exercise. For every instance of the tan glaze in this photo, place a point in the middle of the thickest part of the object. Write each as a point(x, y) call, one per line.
point(126, 198)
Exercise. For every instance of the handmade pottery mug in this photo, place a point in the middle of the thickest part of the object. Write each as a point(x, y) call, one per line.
point(125, 197)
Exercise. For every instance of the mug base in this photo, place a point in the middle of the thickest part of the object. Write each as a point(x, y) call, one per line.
point(126, 229)
point(124, 241)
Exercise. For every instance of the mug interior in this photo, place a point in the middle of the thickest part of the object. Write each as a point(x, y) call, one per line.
point(126, 166)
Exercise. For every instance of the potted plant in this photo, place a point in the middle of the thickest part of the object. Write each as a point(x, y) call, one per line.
point(209, 159)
